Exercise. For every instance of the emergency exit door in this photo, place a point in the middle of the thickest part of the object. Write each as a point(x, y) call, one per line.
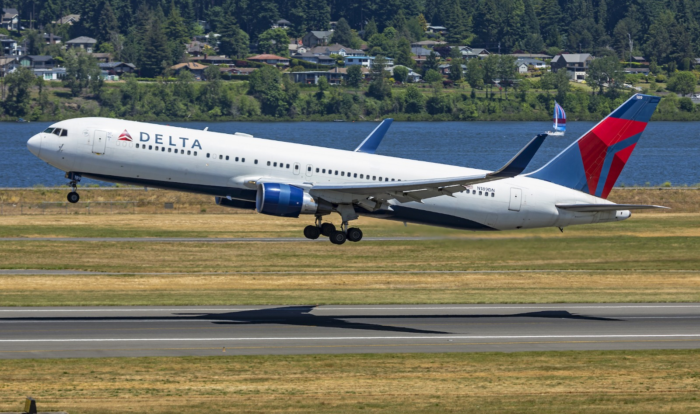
point(100, 142)
point(516, 199)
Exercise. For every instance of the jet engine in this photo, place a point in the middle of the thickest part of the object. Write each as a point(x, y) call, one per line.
point(286, 200)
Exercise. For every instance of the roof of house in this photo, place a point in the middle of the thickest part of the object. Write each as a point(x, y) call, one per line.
point(429, 43)
point(437, 27)
point(266, 56)
point(333, 48)
point(8, 40)
point(189, 65)
point(116, 64)
point(530, 61)
point(9, 12)
point(38, 58)
point(531, 55)
point(52, 36)
point(244, 70)
point(345, 70)
point(81, 40)
point(321, 33)
point(420, 51)
point(572, 58)
point(8, 59)
point(69, 18)
point(283, 21)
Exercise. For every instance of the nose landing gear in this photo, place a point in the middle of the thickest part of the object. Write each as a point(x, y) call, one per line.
point(73, 197)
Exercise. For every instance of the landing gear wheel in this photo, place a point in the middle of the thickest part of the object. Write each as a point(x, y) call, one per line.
point(73, 197)
point(354, 234)
point(327, 229)
point(312, 232)
point(338, 237)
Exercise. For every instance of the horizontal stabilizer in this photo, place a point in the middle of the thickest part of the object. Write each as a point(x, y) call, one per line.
point(521, 160)
point(594, 208)
point(371, 143)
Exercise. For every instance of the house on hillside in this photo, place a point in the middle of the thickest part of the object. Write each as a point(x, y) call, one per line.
point(52, 39)
point(49, 74)
point(238, 71)
point(365, 61)
point(10, 19)
point(195, 48)
point(8, 64)
point(473, 52)
point(103, 57)
point(117, 68)
point(37, 62)
point(428, 43)
point(314, 58)
point(524, 65)
point(336, 49)
point(413, 77)
point(437, 29)
point(197, 69)
point(270, 59)
point(10, 47)
point(282, 24)
point(212, 60)
point(70, 19)
point(317, 38)
point(576, 65)
point(335, 76)
point(420, 51)
point(82, 42)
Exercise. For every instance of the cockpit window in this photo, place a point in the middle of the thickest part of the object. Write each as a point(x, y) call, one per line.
point(64, 133)
point(49, 130)
point(57, 131)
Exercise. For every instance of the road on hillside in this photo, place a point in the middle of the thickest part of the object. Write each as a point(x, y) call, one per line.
point(256, 330)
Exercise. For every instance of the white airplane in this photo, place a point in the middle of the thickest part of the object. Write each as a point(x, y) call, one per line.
point(290, 180)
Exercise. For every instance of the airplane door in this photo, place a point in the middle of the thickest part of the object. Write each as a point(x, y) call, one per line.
point(516, 199)
point(309, 170)
point(100, 142)
point(297, 167)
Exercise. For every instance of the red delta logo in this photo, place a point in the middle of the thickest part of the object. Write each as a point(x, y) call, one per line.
point(125, 136)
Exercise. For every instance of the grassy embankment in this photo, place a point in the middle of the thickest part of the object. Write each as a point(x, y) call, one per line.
point(549, 382)
point(651, 257)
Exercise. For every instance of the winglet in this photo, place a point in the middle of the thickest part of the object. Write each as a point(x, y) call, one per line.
point(370, 144)
point(518, 164)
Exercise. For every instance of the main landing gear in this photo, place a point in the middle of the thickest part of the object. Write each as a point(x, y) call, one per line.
point(353, 234)
point(73, 197)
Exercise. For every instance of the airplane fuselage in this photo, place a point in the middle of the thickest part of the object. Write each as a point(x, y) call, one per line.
point(230, 165)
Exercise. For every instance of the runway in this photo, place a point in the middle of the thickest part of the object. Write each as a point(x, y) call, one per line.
point(255, 330)
point(210, 239)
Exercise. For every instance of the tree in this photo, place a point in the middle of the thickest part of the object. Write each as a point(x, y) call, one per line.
point(107, 23)
point(457, 22)
point(432, 76)
point(234, 41)
point(355, 76)
point(212, 73)
point(177, 33)
point(342, 33)
point(400, 74)
point(506, 70)
point(18, 91)
point(156, 54)
point(604, 71)
point(34, 41)
point(683, 83)
point(403, 53)
point(475, 73)
point(414, 100)
point(274, 41)
point(82, 72)
point(431, 63)
point(456, 71)
point(318, 14)
point(371, 29)
point(379, 88)
point(561, 82)
point(265, 85)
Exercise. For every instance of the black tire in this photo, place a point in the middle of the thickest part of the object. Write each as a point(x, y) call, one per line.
point(327, 229)
point(354, 234)
point(312, 232)
point(73, 197)
point(338, 237)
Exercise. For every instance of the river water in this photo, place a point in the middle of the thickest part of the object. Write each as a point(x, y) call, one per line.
point(668, 151)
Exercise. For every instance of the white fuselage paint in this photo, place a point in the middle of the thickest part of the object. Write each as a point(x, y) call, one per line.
point(81, 152)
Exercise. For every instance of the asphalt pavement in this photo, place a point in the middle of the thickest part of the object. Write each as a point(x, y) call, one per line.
point(256, 330)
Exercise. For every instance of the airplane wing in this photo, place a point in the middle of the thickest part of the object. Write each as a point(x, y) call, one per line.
point(370, 144)
point(594, 208)
point(417, 190)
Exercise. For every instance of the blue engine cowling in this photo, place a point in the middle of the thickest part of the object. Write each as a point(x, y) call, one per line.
point(284, 200)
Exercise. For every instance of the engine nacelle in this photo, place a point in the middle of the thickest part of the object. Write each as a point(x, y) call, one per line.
point(286, 200)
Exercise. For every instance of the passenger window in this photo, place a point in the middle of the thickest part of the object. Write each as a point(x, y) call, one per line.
point(296, 167)
point(254, 162)
point(386, 179)
point(324, 170)
point(362, 176)
point(355, 176)
point(188, 152)
point(493, 194)
point(227, 158)
point(317, 170)
point(374, 177)
point(208, 155)
point(57, 131)
point(169, 149)
point(64, 133)
point(268, 163)
point(221, 157)
point(275, 165)
point(479, 192)
point(137, 145)
point(48, 130)
point(287, 166)
point(150, 147)
point(195, 153)
point(342, 174)
point(162, 149)
point(336, 172)
point(392, 179)
point(156, 147)
point(242, 159)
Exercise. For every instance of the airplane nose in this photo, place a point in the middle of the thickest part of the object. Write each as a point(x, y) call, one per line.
point(34, 145)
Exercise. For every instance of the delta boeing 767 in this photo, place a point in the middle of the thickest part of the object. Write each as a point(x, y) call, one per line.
point(293, 180)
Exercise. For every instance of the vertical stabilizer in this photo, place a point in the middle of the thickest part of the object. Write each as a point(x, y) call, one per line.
point(593, 163)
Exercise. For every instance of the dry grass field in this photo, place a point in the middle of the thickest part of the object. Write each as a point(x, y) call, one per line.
point(549, 382)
